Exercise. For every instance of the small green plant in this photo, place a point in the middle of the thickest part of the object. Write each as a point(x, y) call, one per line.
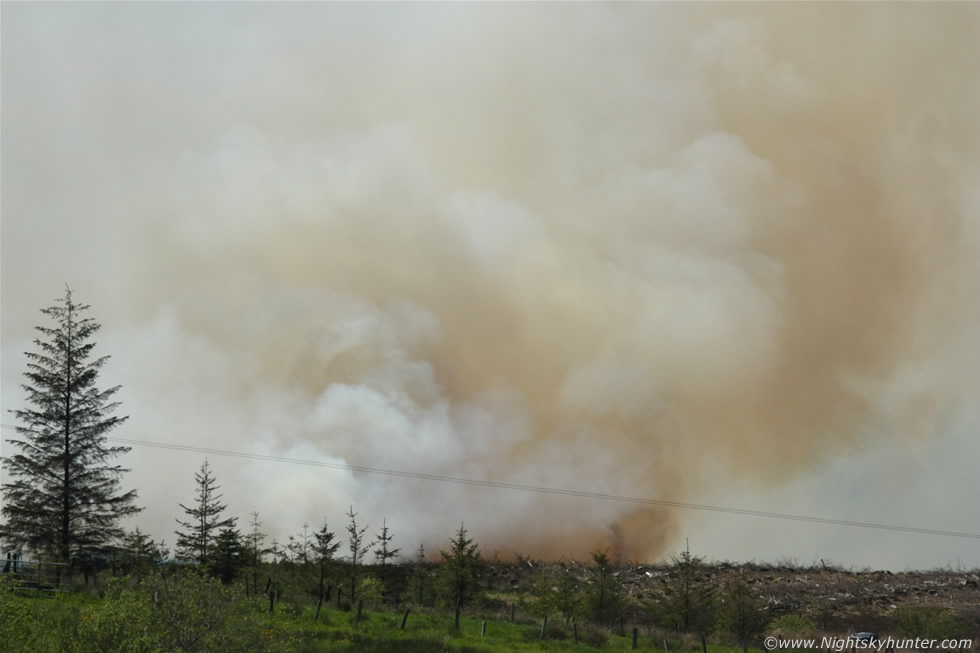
point(742, 614)
point(17, 625)
point(794, 624)
point(121, 621)
point(557, 593)
point(591, 635)
point(371, 591)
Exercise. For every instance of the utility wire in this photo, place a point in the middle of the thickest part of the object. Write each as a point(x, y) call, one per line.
point(538, 489)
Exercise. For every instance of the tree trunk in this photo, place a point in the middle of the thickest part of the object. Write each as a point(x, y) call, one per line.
point(66, 490)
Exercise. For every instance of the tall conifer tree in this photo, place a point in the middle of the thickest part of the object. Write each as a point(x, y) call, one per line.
point(65, 498)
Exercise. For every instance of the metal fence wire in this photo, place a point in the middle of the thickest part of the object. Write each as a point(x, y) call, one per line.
point(37, 576)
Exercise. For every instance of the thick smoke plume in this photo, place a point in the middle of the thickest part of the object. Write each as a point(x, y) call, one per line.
point(639, 250)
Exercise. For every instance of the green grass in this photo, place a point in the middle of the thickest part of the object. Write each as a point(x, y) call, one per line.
point(424, 632)
point(126, 620)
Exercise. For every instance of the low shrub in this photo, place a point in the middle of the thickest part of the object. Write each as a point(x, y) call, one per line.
point(793, 624)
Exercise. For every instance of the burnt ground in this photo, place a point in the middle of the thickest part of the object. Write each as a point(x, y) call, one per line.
point(838, 600)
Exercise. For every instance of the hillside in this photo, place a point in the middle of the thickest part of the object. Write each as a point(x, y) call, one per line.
point(839, 600)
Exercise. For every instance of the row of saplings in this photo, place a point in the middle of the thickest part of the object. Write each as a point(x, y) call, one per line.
point(683, 616)
point(315, 566)
point(567, 601)
point(588, 602)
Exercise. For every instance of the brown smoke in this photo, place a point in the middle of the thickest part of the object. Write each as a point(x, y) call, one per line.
point(577, 246)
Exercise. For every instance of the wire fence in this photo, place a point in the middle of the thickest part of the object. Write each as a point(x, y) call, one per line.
point(37, 576)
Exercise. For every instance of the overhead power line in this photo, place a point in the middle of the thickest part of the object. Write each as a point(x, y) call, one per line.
point(537, 489)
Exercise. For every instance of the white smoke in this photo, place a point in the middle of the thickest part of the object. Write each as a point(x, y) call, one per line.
point(717, 254)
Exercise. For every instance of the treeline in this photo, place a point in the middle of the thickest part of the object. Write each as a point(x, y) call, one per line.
point(349, 567)
point(355, 568)
point(318, 564)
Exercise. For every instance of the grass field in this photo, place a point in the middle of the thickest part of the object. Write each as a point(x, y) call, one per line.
point(194, 615)
point(183, 609)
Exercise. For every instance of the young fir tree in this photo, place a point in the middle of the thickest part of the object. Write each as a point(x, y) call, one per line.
point(64, 497)
point(228, 555)
point(604, 596)
point(139, 553)
point(357, 547)
point(276, 551)
point(299, 547)
point(558, 591)
point(254, 550)
point(384, 554)
point(419, 573)
point(742, 615)
point(462, 571)
point(689, 603)
point(197, 541)
point(324, 549)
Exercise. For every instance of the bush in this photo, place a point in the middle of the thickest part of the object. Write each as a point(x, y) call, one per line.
point(929, 622)
point(121, 621)
point(18, 627)
point(185, 611)
point(371, 591)
point(794, 624)
point(593, 635)
point(675, 641)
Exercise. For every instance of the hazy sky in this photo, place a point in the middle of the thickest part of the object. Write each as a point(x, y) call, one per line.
point(723, 254)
